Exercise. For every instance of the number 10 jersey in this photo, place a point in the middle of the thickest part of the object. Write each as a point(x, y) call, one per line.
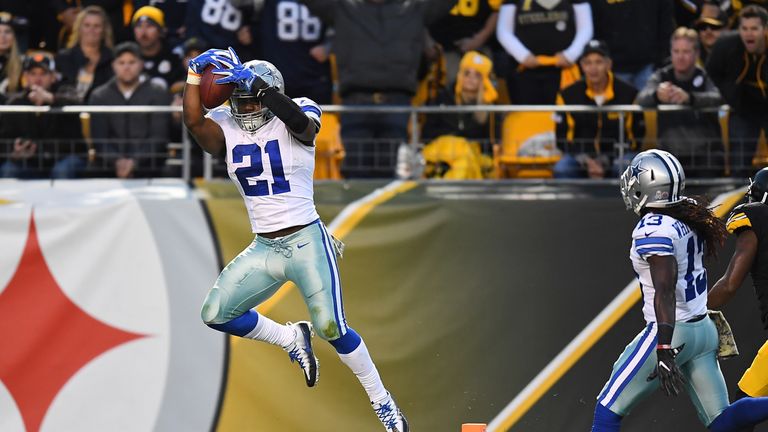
point(272, 169)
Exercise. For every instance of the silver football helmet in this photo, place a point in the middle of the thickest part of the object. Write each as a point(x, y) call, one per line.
point(653, 179)
point(242, 102)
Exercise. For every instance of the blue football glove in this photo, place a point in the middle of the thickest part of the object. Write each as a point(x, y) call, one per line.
point(215, 57)
point(235, 72)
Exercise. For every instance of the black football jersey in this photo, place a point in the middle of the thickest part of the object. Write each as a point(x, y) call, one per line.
point(754, 216)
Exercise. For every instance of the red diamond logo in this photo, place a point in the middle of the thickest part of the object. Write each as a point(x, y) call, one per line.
point(46, 338)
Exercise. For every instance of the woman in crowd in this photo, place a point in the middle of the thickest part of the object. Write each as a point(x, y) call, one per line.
point(86, 61)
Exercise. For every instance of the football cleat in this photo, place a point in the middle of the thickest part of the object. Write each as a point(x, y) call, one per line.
point(300, 351)
point(390, 415)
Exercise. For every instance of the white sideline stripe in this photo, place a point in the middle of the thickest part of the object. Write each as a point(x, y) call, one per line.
point(353, 206)
point(560, 359)
point(563, 355)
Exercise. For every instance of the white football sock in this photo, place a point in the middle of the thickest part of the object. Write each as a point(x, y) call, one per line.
point(271, 332)
point(359, 361)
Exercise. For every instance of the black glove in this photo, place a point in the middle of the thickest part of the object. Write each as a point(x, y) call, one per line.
point(258, 87)
point(670, 376)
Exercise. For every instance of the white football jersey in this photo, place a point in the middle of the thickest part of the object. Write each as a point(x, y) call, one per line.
point(272, 169)
point(658, 234)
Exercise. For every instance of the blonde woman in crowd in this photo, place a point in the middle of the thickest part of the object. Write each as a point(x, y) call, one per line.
point(86, 62)
point(10, 59)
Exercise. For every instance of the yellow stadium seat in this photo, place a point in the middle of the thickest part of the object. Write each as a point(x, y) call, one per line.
point(528, 146)
point(329, 151)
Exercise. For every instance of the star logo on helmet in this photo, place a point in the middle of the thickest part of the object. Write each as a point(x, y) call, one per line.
point(637, 170)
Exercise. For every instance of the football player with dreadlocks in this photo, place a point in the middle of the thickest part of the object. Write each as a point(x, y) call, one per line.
point(750, 224)
point(269, 141)
point(678, 346)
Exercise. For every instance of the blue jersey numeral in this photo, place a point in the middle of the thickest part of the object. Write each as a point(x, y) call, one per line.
point(650, 221)
point(698, 284)
point(261, 187)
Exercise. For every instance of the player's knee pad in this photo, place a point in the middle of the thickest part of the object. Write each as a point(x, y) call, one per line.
point(327, 329)
point(325, 323)
point(211, 307)
point(605, 420)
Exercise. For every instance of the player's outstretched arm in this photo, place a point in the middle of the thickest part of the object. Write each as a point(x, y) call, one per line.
point(298, 123)
point(741, 262)
point(207, 133)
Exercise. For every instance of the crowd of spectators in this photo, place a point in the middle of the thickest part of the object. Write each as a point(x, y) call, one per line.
point(698, 53)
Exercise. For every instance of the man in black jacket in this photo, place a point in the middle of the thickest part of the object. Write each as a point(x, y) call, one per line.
point(588, 140)
point(737, 65)
point(378, 46)
point(130, 143)
point(41, 144)
point(692, 136)
point(637, 32)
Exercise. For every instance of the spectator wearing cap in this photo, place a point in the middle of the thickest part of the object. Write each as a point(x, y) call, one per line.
point(637, 31)
point(86, 61)
point(709, 29)
point(692, 136)
point(130, 143)
point(161, 65)
point(457, 139)
point(10, 58)
point(532, 32)
point(588, 139)
point(737, 65)
point(41, 144)
point(175, 13)
point(473, 86)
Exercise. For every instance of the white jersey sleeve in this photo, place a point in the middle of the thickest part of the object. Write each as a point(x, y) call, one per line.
point(272, 170)
point(310, 108)
point(662, 235)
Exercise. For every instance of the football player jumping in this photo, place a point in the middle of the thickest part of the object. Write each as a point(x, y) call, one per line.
point(270, 154)
point(678, 346)
point(749, 223)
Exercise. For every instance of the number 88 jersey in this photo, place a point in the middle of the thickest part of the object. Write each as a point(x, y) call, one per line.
point(272, 169)
point(663, 235)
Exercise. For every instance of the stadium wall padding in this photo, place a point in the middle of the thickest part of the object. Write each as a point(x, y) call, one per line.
point(463, 292)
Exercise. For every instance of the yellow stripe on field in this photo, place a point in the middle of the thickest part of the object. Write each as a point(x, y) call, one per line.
point(584, 341)
point(346, 221)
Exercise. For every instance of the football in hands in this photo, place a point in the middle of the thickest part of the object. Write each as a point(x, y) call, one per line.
point(212, 94)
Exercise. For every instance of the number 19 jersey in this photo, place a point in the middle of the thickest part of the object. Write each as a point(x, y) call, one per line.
point(662, 235)
point(272, 169)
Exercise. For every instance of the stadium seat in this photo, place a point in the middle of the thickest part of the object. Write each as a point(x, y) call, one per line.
point(528, 146)
point(329, 150)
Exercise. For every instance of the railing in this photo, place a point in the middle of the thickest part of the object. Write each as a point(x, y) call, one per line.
point(414, 141)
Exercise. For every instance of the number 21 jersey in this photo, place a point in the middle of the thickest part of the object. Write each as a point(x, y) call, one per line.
point(272, 169)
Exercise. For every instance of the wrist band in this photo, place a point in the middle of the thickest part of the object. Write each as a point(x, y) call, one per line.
point(661, 346)
point(193, 78)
